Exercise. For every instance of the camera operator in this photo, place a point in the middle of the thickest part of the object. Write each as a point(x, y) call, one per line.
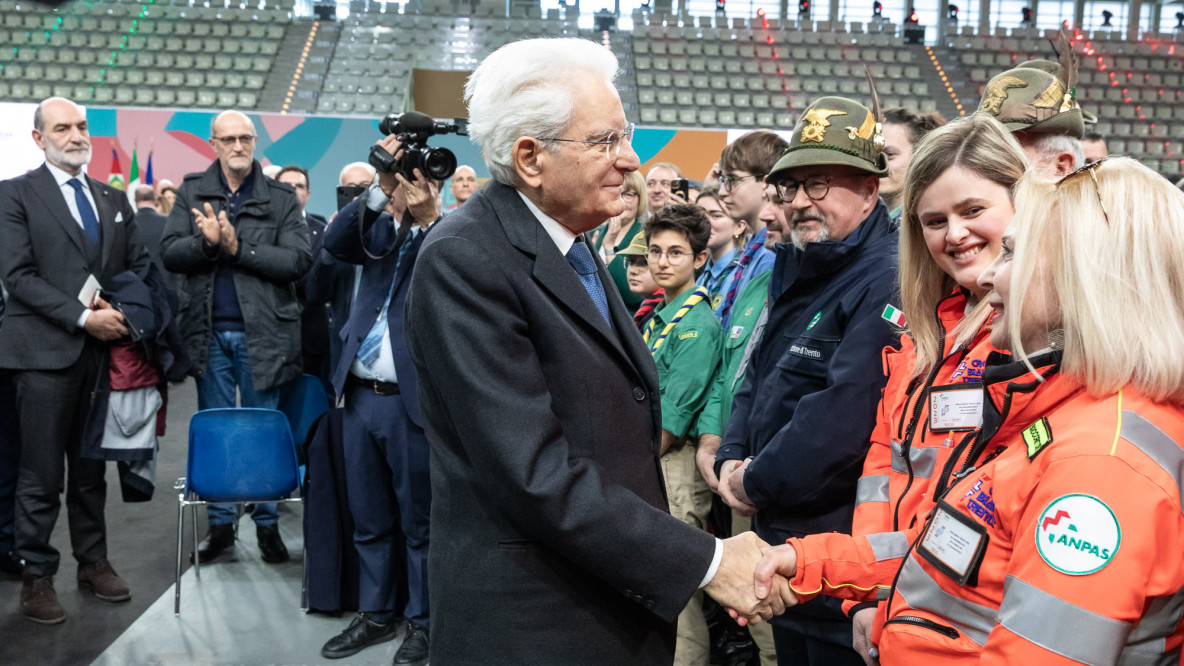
point(386, 451)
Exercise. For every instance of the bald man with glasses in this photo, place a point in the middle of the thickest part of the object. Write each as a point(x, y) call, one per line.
point(240, 242)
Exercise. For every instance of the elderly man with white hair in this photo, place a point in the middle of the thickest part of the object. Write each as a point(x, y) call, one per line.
point(551, 538)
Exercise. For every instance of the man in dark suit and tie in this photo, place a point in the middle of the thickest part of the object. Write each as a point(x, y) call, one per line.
point(59, 228)
point(386, 452)
point(551, 538)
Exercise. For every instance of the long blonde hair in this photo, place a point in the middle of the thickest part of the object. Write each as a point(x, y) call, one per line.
point(1117, 281)
point(983, 146)
point(635, 183)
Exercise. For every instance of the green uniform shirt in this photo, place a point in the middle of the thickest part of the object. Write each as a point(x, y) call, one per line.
point(617, 269)
point(687, 361)
point(745, 311)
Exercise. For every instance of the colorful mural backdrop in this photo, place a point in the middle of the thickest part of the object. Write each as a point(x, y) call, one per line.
point(321, 144)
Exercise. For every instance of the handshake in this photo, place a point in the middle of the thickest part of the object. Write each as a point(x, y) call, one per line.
point(752, 581)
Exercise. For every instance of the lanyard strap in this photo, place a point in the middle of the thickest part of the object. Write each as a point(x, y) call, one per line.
point(695, 298)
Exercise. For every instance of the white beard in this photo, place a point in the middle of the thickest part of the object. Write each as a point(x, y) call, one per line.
point(73, 160)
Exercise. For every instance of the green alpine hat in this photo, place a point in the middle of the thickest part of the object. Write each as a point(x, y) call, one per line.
point(1031, 99)
point(636, 246)
point(835, 131)
point(1053, 68)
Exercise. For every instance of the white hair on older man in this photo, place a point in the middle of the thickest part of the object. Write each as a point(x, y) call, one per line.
point(1049, 146)
point(525, 89)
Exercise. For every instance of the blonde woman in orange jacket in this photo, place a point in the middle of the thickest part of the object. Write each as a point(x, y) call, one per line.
point(1058, 539)
point(957, 205)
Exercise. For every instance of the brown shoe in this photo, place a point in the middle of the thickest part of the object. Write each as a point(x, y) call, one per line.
point(39, 602)
point(98, 577)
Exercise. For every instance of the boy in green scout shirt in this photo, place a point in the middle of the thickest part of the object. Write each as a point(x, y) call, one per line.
point(684, 337)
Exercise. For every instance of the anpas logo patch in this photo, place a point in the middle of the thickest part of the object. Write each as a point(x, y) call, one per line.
point(1078, 534)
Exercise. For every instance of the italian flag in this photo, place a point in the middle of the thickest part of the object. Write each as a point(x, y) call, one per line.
point(116, 178)
point(893, 315)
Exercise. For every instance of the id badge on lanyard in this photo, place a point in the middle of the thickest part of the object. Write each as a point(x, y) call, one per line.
point(956, 407)
point(954, 543)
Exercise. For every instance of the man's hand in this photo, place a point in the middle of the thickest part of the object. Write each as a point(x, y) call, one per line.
point(726, 471)
point(712, 177)
point(229, 238)
point(775, 561)
point(736, 483)
point(705, 459)
point(422, 198)
point(387, 181)
point(209, 225)
point(733, 586)
point(861, 634)
point(105, 322)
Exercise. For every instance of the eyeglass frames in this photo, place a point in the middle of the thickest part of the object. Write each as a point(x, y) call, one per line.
point(612, 143)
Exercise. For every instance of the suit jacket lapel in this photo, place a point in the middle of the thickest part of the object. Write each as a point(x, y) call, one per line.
point(551, 268)
point(46, 189)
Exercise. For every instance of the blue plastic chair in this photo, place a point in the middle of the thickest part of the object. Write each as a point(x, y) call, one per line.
point(235, 456)
point(303, 400)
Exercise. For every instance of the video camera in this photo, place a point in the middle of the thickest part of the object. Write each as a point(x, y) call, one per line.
point(413, 129)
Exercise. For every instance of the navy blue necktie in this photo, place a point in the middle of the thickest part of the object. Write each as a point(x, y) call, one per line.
point(581, 259)
point(90, 221)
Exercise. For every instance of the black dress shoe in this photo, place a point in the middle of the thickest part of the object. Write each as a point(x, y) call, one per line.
point(271, 546)
point(414, 650)
point(220, 538)
point(360, 634)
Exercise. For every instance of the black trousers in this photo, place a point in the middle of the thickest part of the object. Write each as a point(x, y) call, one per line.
point(797, 649)
point(53, 407)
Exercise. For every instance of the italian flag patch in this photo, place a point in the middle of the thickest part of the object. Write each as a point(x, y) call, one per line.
point(893, 315)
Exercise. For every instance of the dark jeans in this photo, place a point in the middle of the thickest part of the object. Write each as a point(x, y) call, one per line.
point(53, 407)
point(230, 369)
point(10, 460)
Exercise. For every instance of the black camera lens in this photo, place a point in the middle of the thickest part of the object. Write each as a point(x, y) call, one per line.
point(439, 163)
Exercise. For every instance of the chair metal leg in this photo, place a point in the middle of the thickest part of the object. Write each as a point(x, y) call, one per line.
point(180, 540)
point(196, 559)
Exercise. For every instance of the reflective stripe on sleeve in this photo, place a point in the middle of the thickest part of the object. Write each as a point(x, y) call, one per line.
point(888, 545)
point(921, 592)
point(1149, 439)
point(1147, 642)
point(1059, 626)
point(924, 459)
point(872, 488)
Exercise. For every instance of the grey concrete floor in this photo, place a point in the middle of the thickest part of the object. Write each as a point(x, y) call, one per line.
point(242, 611)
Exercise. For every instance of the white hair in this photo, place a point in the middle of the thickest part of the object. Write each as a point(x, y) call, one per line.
point(364, 165)
point(272, 170)
point(230, 112)
point(526, 89)
point(1049, 146)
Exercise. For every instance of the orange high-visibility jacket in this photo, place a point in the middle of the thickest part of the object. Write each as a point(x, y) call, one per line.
point(1080, 499)
point(894, 491)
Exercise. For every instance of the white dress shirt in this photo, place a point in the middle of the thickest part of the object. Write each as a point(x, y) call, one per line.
point(63, 180)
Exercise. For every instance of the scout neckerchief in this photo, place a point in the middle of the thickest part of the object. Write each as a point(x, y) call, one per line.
point(757, 243)
point(694, 299)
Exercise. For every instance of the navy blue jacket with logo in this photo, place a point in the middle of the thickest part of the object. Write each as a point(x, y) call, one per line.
point(807, 406)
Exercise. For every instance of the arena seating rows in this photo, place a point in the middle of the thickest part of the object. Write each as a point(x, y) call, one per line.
point(679, 71)
point(138, 55)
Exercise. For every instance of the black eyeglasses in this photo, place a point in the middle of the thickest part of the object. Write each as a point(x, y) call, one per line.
point(612, 143)
point(1091, 168)
point(229, 141)
point(727, 182)
point(816, 187)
